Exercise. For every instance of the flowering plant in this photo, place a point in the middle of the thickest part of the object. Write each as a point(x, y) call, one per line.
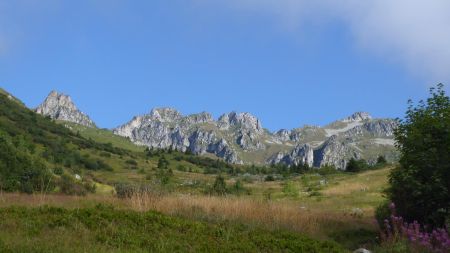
point(438, 240)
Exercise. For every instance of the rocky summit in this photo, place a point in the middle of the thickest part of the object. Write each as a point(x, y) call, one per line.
point(240, 138)
point(60, 107)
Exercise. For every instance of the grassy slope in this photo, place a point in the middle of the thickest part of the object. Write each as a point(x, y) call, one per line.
point(103, 136)
point(104, 229)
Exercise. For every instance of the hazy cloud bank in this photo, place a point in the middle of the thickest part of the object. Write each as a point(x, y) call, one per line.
point(414, 33)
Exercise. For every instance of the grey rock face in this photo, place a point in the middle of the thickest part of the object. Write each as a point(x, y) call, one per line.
point(249, 141)
point(60, 107)
point(166, 127)
point(301, 154)
point(332, 152)
point(358, 116)
point(282, 135)
point(233, 134)
point(244, 121)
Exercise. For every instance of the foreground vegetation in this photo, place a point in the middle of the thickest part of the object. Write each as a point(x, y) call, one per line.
point(105, 229)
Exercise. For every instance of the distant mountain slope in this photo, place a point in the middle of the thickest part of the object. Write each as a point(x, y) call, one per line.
point(60, 107)
point(240, 138)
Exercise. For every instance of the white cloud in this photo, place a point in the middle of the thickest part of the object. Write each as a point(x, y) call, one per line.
point(414, 33)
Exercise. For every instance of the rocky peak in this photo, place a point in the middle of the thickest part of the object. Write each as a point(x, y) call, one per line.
point(243, 120)
point(165, 114)
point(358, 116)
point(60, 107)
point(282, 135)
point(199, 118)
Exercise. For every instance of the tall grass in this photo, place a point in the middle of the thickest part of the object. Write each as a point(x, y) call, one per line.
point(271, 215)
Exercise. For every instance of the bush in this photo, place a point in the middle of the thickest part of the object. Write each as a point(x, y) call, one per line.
point(269, 178)
point(58, 171)
point(381, 160)
point(382, 213)
point(290, 189)
point(238, 188)
point(68, 185)
point(356, 165)
point(420, 185)
point(124, 190)
point(131, 162)
point(219, 187)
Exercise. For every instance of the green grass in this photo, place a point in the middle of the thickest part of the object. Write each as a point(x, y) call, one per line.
point(103, 136)
point(105, 229)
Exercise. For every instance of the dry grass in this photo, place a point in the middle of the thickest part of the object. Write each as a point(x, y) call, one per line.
point(370, 181)
point(268, 214)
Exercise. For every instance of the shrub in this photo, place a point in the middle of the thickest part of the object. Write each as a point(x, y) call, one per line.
point(420, 184)
point(219, 187)
point(131, 162)
point(290, 189)
point(238, 188)
point(69, 186)
point(163, 163)
point(269, 178)
point(58, 171)
point(124, 190)
point(381, 160)
point(356, 165)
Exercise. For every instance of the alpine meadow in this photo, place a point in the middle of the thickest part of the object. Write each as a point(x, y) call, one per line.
point(224, 126)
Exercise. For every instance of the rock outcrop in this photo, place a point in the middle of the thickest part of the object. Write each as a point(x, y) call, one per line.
point(168, 128)
point(234, 134)
point(301, 154)
point(60, 107)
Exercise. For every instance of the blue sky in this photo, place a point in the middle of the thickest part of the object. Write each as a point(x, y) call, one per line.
point(288, 62)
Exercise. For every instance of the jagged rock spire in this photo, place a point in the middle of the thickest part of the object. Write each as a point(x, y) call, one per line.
point(60, 107)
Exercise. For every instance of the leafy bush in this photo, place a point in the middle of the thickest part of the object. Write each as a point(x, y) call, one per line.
point(131, 162)
point(58, 171)
point(420, 186)
point(269, 178)
point(20, 171)
point(70, 186)
point(381, 160)
point(354, 165)
point(124, 190)
point(239, 189)
point(219, 187)
point(290, 189)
